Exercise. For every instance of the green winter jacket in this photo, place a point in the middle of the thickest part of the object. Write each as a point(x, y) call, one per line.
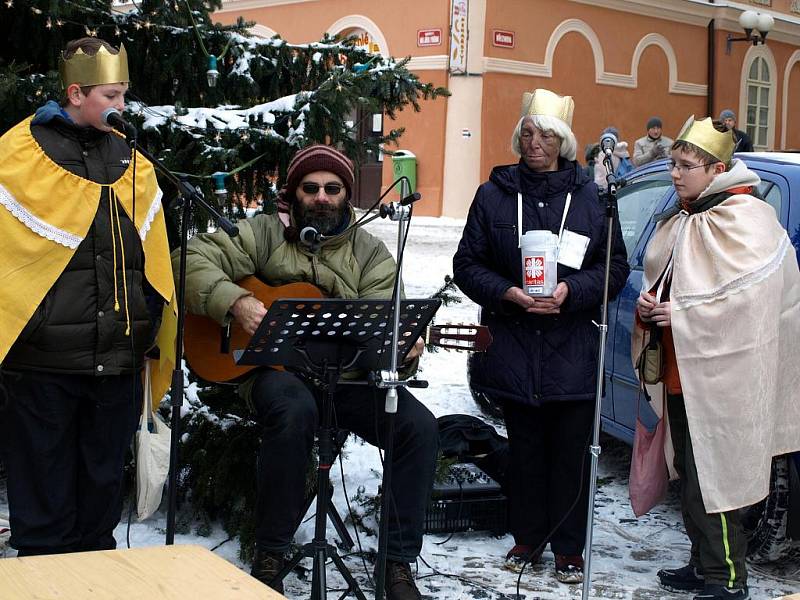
point(356, 265)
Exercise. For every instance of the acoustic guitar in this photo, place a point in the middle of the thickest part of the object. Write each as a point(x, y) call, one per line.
point(208, 347)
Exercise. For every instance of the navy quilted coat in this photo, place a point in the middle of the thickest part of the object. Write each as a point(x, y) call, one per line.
point(537, 358)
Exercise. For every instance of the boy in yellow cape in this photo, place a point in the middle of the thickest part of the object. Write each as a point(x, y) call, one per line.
point(86, 275)
point(730, 315)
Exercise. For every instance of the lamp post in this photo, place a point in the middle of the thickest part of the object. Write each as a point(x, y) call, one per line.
point(756, 27)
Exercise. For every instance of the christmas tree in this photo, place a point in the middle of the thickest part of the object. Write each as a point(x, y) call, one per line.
point(269, 99)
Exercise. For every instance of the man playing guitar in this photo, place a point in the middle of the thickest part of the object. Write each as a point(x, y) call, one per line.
point(352, 265)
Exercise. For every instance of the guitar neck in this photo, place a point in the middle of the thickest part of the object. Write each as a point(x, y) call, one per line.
point(473, 338)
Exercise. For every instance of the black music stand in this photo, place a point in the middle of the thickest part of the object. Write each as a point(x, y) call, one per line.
point(321, 339)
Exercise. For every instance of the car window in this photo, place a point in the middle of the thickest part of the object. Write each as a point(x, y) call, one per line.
point(636, 203)
point(771, 193)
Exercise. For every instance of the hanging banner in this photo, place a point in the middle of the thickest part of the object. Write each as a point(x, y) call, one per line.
point(458, 36)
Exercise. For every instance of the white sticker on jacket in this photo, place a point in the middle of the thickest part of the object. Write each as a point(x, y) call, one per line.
point(572, 249)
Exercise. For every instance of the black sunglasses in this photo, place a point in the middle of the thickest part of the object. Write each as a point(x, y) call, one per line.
point(331, 189)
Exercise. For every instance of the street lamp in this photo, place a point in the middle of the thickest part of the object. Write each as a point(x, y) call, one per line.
point(750, 20)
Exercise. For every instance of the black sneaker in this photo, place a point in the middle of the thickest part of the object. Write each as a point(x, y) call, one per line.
point(715, 591)
point(683, 579)
point(399, 583)
point(266, 565)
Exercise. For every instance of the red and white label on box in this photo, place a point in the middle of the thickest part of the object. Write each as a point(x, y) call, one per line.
point(429, 37)
point(502, 38)
point(534, 272)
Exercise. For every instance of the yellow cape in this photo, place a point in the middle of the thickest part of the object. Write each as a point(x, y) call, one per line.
point(45, 213)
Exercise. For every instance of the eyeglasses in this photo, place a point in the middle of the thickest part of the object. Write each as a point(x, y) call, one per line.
point(331, 189)
point(683, 169)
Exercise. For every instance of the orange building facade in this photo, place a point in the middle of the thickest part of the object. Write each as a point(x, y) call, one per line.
point(623, 61)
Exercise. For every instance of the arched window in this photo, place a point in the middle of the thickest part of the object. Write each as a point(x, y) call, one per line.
point(758, 103)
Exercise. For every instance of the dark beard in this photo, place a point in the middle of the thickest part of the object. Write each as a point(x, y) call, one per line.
point(324, 218)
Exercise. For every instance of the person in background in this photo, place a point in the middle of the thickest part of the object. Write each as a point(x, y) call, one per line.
point(729, 314)
point(653, 146)
point(542, 363)
point(743, 141)
point(85, 267)
point(620, 159)
point(590, 154)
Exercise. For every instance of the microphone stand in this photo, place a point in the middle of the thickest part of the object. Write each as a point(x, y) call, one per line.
point(594, 449)
point(400, 212)
point(189, 195)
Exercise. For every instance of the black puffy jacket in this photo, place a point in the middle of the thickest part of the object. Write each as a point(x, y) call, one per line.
point(76, 329)
point(537, 358)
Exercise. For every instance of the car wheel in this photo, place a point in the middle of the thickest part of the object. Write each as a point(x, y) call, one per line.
point(767, 523)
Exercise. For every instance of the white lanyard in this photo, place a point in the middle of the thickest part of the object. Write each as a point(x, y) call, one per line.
point(563, 218)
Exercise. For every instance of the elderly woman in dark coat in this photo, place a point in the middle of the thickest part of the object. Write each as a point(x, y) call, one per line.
point(542, 363)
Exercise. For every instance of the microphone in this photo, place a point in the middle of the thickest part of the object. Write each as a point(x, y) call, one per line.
point(112, 118)
point(608, 142)
point(310, 237)
point(410, 199)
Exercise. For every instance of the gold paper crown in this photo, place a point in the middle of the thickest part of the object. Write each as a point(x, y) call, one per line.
point(703, 135)
point(545, 102)
point(100, 69)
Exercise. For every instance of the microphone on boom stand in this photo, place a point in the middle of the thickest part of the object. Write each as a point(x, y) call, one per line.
point(113, 118)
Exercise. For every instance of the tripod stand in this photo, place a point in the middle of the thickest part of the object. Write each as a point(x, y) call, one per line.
point(322, 339)
point(319, 549)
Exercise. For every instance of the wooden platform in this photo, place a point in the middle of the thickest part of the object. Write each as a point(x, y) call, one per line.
point(155, 573)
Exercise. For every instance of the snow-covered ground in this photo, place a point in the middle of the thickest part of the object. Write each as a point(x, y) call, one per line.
point(626, 552)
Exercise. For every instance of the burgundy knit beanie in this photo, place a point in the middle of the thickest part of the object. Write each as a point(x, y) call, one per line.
point(318, 158)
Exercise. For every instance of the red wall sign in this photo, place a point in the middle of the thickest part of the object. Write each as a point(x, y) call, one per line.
point(502, 39)
point(429, 37)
